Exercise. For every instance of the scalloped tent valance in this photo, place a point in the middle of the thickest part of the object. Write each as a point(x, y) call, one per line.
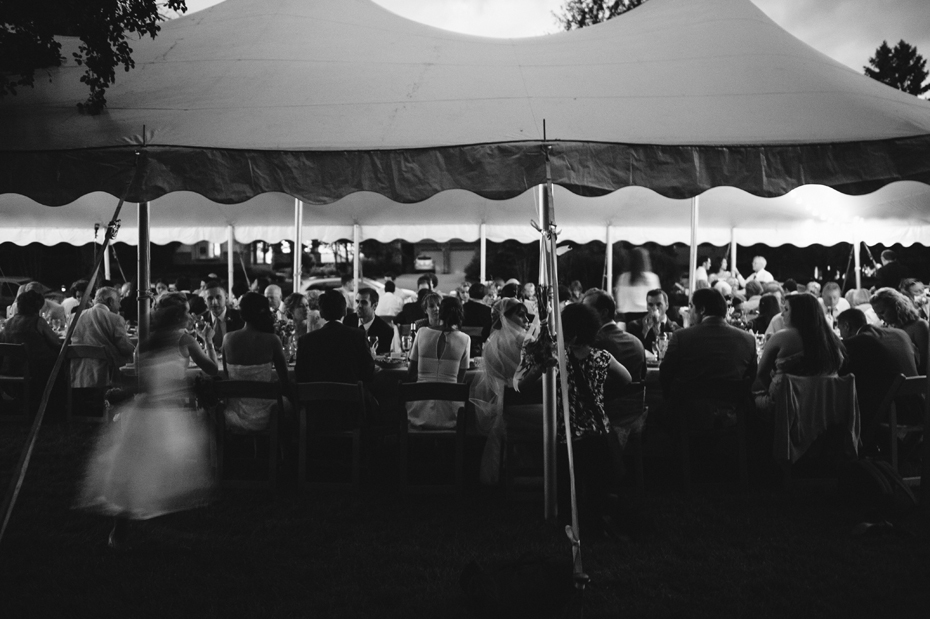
point(326, 98)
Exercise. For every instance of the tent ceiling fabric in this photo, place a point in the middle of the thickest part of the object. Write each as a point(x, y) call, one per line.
point(898, 213)
point(326, 98)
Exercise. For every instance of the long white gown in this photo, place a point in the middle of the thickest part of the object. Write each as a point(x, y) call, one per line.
point(154, 458)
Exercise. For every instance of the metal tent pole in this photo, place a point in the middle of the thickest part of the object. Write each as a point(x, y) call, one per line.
point(298, 242)
point(483, 260)
point(144, 271)
point(550, 488)
point(609, 287)
point(692, 260)
point(356, 265)
point(230, 262)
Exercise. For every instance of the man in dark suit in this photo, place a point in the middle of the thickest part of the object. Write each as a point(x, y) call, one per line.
point(709, 350)
point(334, 352)
point(625, 348)
point(655, 322)
point(224, 318)
point(477, 315)
point(876, 356)
point(366, 302)
point(892, 272)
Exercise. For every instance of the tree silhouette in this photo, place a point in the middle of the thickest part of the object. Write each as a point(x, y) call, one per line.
point(902, 68)
point(28, 45)
point(580, 13)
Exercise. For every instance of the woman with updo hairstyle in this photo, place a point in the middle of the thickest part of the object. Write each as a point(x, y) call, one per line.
point(807, 346)
point(253, 353)
point(898, 311)
point(439, 354)
point(155, 459)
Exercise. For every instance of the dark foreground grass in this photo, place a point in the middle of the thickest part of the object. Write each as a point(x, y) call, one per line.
point(254, 554)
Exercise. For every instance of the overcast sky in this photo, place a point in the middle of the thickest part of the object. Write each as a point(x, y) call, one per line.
point(846, 30)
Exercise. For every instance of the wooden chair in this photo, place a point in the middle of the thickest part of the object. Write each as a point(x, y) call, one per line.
point(340, 402)
point(17, 352)
point(80, 351)
point(446, 392)
point(523, 420)
point(226, 389)
point(888, 416)
point(736, 393)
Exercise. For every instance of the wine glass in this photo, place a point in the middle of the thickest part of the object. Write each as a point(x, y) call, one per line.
point(373, 343)
point(406, 343)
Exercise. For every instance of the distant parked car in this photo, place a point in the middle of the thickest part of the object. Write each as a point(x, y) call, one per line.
point(424, 263)
point(328, 283)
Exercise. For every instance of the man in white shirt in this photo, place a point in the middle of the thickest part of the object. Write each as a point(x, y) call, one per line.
point(391, 303)
point(700, 273)
point(759, 274)
point(101, 325)
point(832, 301)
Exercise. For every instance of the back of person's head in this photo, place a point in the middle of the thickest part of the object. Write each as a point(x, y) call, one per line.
point(823, 350)
point(602, 303)
point(372, 294)
point(255, 311)
point(889, 255)
point(564, 293)
point(107, 295)
point(768, 305)
point(345, 279)
point(332, 305)
point(313, 299)
point(29, 303)
point(451, 312)
point(509, 291)
point(753, 288)
point(434, 280)
point(580, 324)
point(829, 288)
point(773, 287)
point(725, 289)
point(182, 283)
point(853, 319)
point(239, 288)
point(171, 312)
point(425, 281)
point(790, 285)
point(477, 291)
point(390, 286)
point(709, 302)
point(703, 259)
point(77, 287)
point(901, 308)
point(198, 304)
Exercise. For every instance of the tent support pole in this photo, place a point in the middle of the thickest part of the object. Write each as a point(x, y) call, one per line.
point(609, 284)
point(106, 263)
point(857, 263)
point(692, 259)
point(144, 271)
point(732, 264)
point(298, 242)
point(356, 266)
point(230, 263)
point(549, 392)
point(483, 258)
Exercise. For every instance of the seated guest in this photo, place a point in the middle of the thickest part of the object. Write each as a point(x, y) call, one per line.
point(477, 314)
point(439, 354)
point(768, 309)
point(877, 355)
point(588, 369)
point(833, 303)
point(223, 318)
point(708, 350)
point(297, 308)
point(275, 298)
point(161, 287)
point(896, 310)
point(334, 352)
point(655, 322)
point(253, 353)
point(430, 305)
point(172, 328)
point(314, 320)
point(129, 302)
point(529, 299)
point(814, 288)
point(625, 348)
point(101, 325)
point(42, 344)
point(391, 303)
point(510, 290)
point(913, 289)
point(364, 317)
point(75, 293)
point(858, 298)
point(53, 310)
point(413, 311)
point(753, 295)
point(807, 346)
point(727, 274)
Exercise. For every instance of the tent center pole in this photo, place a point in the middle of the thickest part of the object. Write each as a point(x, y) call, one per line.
point(549, 390)
point(230, 263)
point(298, 242)
point(609, 284)
point(144, 271)
point(483, 249)
point(692, 259)
point(356, 265)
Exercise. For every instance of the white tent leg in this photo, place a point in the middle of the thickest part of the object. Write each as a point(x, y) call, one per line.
point(692, 261)
point(483, 258)
point(144, 266)
point(857, 262)
point(732, 264)
point(230, 263)
point(356, 266)
point(298, 242)
point(106, 262)
point(609, 284)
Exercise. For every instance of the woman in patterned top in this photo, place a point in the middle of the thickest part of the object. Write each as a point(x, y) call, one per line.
point(588, 370)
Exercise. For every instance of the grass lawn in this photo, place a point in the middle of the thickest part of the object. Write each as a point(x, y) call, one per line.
point(255, 554)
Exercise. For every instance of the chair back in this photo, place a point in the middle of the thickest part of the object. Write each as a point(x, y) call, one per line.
point(332, 393)
point(902, 386)
point(805, 406)
point(17, 352)
point(449, 392)
point(472, 331)
point(84, 351)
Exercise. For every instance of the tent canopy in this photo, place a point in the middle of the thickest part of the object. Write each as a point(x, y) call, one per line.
point(897, 213)
point(326, 98)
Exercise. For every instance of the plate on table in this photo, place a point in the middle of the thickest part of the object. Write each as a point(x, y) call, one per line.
point(386, 361)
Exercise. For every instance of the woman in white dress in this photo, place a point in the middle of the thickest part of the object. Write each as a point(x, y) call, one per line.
point(154, 458)
point(633, 284)
point(255, 353)
point(439, 354)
